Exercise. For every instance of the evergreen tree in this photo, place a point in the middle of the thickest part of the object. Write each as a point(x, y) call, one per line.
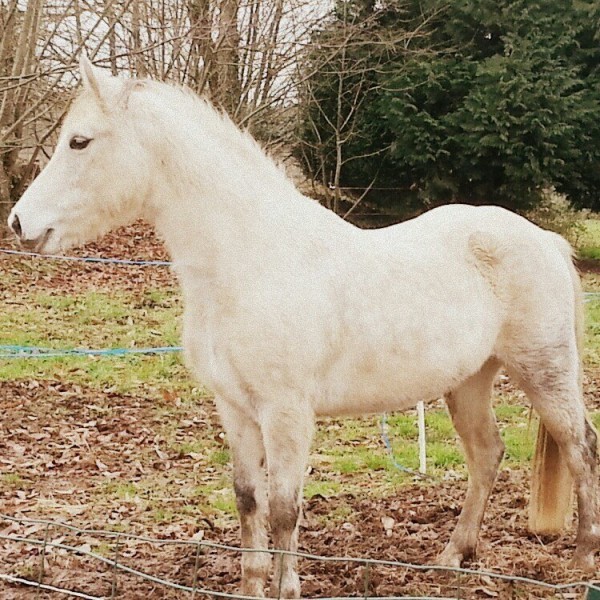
point(500, 100)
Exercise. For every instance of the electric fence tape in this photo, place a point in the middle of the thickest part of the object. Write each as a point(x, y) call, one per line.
point(12, 351)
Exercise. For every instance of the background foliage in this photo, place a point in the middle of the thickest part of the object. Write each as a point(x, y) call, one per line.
point(493, 101)
point(409, 103)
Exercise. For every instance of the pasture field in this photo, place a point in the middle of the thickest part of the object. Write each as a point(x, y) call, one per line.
point(131, 443)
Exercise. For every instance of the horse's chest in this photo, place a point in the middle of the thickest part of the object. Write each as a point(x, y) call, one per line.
point(205, 353)
point(217, 354)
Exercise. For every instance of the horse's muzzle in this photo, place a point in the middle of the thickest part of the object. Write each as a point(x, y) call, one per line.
point(15, 225)
point(35, 244)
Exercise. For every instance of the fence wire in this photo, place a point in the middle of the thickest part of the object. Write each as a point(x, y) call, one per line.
point(21, 569)
point(89, 259)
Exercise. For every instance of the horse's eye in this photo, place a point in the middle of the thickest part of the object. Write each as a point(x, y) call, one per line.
point(79, 143)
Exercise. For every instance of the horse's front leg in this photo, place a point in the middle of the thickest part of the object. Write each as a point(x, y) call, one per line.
point(250, 485)
point(287, 433)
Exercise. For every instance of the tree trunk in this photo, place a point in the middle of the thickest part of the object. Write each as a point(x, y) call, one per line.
point(138, 59)
point(20, 35)
point(201, 57)
point(5, 201)
point(224, 79)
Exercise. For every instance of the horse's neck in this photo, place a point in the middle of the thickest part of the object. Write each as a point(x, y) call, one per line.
point(224, 209)
point(232, 229)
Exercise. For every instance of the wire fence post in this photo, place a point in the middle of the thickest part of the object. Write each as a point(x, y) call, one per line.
point(195, 574)
point(113, 591)
point(367, 579)
point(42, 566)
point(458, 585)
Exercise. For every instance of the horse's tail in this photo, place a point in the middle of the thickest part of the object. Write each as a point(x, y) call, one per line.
point(550, 507)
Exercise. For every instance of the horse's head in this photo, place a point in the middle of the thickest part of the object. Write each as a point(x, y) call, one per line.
point(99, 176)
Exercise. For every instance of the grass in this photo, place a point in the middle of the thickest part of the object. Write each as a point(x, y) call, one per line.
point(321, 487)
point(348, 455)
point(98, 320)
point(11, 480)
point(120, 319)
point(592, 346)
point(123, 490)
point(589, 243)
point(220, 457)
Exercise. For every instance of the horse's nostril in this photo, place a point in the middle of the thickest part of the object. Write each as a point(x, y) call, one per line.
point(16, 226)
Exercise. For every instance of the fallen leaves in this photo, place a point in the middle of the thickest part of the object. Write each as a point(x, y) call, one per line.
point(135, 242)
point(102, 464)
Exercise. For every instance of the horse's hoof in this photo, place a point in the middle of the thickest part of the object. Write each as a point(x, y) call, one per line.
point(450, 558)
point(583, 562)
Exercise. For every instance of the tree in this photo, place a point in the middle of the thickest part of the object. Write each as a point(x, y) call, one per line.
point(504, 104)
point(340, 78)
point(19, 35)
point(236, 52)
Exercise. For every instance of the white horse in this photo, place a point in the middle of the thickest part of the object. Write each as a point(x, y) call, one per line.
point(292, 313)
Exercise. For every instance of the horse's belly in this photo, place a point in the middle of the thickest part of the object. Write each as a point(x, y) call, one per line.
point(376, 400)
point(389, 393)
point(395, 379)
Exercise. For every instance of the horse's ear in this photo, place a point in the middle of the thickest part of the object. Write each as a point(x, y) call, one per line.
point(89, 76)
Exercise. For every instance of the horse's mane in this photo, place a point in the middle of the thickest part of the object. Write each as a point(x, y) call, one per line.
point(215, 126)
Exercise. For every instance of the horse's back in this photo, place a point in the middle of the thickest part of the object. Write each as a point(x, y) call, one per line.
point(451, 223)
point(528, 269)
point(440, 294)
point(486, 237)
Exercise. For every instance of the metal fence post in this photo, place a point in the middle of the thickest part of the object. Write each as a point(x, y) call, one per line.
point(113, 592)
point(42, 566)
point(593, 591)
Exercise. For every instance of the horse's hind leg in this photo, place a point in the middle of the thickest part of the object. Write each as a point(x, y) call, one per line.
point(250, 485)
point(555, 393)
point(473, 418)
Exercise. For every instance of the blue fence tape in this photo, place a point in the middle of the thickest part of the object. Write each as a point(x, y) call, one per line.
point(92, 259)
point(390, 451)
point(13, 351)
